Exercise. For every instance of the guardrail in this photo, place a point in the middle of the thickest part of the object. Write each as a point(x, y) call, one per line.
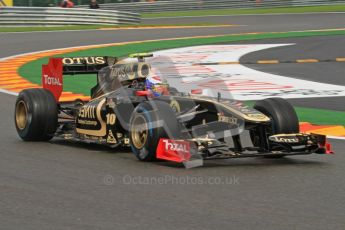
point(55, 16)
point(183, 5)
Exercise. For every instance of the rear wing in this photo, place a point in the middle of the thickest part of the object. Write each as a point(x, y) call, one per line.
point(52, 73)
point(86, 65)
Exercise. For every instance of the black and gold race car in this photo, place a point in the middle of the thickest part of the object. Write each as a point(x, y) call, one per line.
point(176, 126)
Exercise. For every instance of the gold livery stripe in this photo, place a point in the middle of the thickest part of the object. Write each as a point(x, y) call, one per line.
point(101, 132)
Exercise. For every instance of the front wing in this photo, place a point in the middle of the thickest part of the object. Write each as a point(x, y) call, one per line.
point(291, 144)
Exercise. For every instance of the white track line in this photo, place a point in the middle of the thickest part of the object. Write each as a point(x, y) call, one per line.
point(8, 92)
point(335, 137)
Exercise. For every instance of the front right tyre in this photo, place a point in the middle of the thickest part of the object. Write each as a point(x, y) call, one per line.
point(283, 117)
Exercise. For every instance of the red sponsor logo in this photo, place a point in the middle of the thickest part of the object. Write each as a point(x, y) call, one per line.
point(52, 77)
point(51, 80)
point(179, 146)
point(173, 150)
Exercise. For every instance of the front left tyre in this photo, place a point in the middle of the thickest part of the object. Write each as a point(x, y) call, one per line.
point(36, 115)
point(149, 122)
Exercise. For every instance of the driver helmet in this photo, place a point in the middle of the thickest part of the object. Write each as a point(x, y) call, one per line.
point(156, 85)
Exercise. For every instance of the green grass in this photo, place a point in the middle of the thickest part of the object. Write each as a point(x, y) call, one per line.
point(61, 28)
point(83, 83)
point(321, 116)
point(277, 10)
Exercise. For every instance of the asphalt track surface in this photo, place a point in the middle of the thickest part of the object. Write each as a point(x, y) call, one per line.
point(12, 43)
point(63, 185)
point(319, 47)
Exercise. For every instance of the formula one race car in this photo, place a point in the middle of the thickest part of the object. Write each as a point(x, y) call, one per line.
point(131, 105)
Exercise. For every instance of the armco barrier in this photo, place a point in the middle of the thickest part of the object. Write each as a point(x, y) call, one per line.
point(54, 16)
point(183, 5)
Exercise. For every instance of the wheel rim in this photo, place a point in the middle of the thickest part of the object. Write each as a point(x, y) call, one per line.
point(139, 131)
point(21, 115)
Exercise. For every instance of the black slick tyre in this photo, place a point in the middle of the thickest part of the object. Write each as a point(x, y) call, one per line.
point(283, 117)
point(36, 115)
point(149, 122)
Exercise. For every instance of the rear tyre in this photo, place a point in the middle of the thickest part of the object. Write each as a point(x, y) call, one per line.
point(149, 122)
point(283, 116)
point(36, 115)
